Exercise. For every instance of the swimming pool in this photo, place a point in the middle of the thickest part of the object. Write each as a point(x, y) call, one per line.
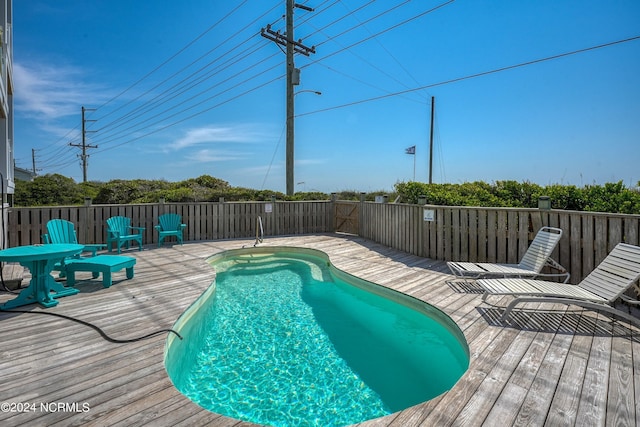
point(283, 338)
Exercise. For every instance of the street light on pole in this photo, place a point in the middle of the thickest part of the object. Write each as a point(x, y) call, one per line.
point(317, 92)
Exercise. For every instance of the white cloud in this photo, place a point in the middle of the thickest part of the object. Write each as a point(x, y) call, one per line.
point(217, 134)
point(262, 169)
point(48, 92)
point(303, 162)
point(207, 156)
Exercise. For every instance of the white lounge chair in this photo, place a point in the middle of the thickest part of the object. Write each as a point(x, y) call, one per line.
point(537, 256)
point(598, 291)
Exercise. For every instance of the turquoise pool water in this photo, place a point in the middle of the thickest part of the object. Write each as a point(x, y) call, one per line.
point(283, 338)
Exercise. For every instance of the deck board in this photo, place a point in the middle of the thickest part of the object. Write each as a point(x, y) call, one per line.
point(552, 365)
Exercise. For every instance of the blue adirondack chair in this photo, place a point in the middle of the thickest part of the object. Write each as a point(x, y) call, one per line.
point(170, 225)
point(63, 231)
point(120, 232)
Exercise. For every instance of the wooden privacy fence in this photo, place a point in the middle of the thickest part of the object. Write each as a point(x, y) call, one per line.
point(437, 232)
point(496, 234)
point(205, 221)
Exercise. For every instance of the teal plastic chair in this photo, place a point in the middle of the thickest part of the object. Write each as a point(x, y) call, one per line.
point(121, 233)
point(63, 231)
point(170, 225)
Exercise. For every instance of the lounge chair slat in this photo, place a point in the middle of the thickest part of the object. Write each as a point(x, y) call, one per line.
point(622, 267)
point(501, 268)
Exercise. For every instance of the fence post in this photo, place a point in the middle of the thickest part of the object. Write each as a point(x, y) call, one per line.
point(85, 232)
point(333, 206)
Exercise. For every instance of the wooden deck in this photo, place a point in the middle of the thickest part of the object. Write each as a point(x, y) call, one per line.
point(556, 366)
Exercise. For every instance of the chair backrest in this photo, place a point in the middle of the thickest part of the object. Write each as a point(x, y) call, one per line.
point(120, 224)
point(540, 249)
point(615, 274)
point(170, 221)
point(61, 231)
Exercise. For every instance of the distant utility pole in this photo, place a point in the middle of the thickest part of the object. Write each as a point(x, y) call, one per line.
point(33, 161)
point(293, 77)
point(84, 144)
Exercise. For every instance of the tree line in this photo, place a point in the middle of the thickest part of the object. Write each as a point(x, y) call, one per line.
point(58, 190)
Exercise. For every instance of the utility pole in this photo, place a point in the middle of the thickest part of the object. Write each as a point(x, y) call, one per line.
point(433, 106)
point(84, 144)
point(34, 170)
point(291, 69)
point(293, 79)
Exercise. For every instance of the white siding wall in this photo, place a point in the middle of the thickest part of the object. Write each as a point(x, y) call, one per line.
point(6, 110)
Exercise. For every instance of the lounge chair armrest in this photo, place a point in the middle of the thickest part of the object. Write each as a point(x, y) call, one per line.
point(137, 230)
point(45, 239)
point(157, 227)
point(183, 225)
point(556, 265)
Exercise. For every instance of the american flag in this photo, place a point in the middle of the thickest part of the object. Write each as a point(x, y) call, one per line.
point(410, 150)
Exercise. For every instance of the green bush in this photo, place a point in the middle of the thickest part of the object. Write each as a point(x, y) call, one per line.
point(54, 189)
point(610, 197)
point(48, 190)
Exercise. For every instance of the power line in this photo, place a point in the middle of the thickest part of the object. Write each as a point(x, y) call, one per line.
point(372, 65)
point(172, 56)
point(197, 113)
point(275, 151)
point(163, 118)
point(57, 144)
point(139, 123)
point(361, 24)
point(55, 154)
point(369, 63)
point(140, 114)
point(166, 97)
point(181, 88)
point(148, 125)
point(388, 52)
point(59, 151)
point(119, 120)
point(406, 21)
point(472, 76)
point(367, 83)
point(315, 15)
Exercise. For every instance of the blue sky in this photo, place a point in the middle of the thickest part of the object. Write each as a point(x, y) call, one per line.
point(182, 89)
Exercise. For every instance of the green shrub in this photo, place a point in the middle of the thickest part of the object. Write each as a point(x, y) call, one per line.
point(610, 197)
point(54, 189)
